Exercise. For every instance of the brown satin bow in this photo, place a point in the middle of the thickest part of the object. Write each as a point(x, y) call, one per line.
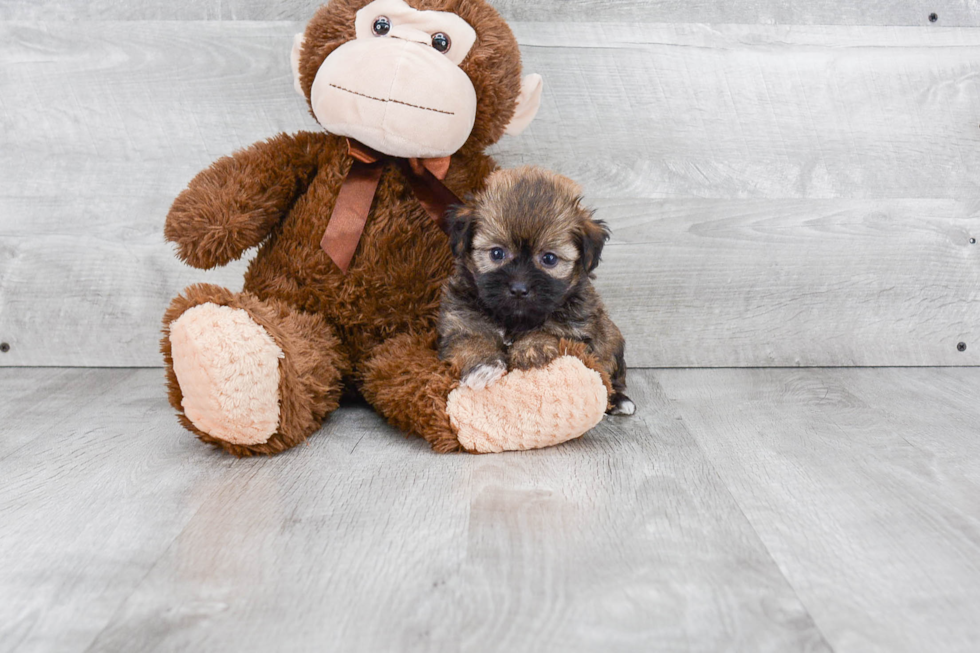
point(350, 213)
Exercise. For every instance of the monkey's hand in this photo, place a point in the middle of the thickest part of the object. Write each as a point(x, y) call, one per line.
point(535, 349)
point(235, 204)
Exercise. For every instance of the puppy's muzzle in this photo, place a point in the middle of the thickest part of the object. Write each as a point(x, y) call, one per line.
point(519, 290)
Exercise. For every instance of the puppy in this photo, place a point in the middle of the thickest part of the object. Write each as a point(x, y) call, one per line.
point(525, 250)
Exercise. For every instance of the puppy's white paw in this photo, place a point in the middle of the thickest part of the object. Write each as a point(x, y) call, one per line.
point(483, 376)
point(623, 407)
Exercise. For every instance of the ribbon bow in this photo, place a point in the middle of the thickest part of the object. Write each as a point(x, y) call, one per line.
point(350, 213)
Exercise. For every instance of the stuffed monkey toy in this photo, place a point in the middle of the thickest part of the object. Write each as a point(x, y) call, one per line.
point(344, 290)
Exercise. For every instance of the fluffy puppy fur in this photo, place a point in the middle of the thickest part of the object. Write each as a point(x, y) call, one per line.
point(525, 252)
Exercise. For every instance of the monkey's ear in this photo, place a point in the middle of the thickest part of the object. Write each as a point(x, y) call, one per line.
point(528, 103)
point(594, 235)
point(294, 62)
point(459, 220)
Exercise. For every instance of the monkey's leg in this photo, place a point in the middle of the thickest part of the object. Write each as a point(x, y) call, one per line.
point(247, 375)
point(407, 383)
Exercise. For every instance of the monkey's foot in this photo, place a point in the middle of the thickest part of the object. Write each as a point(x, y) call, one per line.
point(228, 370)
point(529, 409)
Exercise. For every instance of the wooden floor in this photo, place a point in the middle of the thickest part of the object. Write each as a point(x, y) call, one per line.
point(756, 510)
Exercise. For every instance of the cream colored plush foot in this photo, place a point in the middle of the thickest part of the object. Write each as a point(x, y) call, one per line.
point(529, 409)
point(228, 370)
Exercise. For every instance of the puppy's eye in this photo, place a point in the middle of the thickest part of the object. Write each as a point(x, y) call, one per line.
point(549, 260)
point(497, 254)
point(381, 26)
point(441, 42)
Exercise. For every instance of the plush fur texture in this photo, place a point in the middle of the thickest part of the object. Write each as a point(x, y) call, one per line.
point(526, 249)
point(229, 367)
point(405, 380)
point(534, 420)
point(310, 371)
point(392, 95)
point(373, 328)
point(493, 64)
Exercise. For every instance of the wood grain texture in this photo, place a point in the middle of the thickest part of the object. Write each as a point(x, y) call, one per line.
point(745, 283)
point(631, 111)
point(755, 112)
point(801, 196)
point(962, 13)
point(121, 532)
point(89, 500)
point(102, 130)
point(692, 283)
point(863, 484)
point(44, 399)
point(953, 13)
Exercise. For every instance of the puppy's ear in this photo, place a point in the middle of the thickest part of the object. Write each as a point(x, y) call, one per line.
point(593, 238)
point(459, 221)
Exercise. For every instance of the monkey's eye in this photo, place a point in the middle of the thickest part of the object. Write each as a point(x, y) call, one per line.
point(441, 42)
point(381, 25)
point(549, 260)
point(497, 254)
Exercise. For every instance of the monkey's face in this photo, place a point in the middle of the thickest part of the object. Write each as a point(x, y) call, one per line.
point(398, 85)
point(527, 243)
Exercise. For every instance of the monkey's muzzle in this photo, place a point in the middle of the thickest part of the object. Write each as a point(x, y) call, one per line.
point(397, 96)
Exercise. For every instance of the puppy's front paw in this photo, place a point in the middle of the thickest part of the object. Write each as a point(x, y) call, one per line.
point(483, 375)
point(532, 352)
point(622, 405)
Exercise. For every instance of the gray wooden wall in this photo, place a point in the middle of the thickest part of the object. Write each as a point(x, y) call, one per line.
point(789, 183)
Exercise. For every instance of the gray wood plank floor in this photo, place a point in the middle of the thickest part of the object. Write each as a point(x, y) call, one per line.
point(757, 510)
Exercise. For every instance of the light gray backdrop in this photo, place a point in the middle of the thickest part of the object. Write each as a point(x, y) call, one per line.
point(788, 183)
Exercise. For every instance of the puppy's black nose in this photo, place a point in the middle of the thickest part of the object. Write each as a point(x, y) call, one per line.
point(518, 289)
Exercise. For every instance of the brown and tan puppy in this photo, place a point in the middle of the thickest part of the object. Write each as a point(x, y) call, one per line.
point(526, 249)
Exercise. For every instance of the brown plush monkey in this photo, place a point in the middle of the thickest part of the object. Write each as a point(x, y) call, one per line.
point(344, 290)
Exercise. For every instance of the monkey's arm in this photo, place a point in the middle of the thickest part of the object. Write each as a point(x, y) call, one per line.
point(234, 204)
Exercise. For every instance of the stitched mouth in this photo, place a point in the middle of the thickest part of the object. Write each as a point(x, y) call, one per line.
point(377, 99)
